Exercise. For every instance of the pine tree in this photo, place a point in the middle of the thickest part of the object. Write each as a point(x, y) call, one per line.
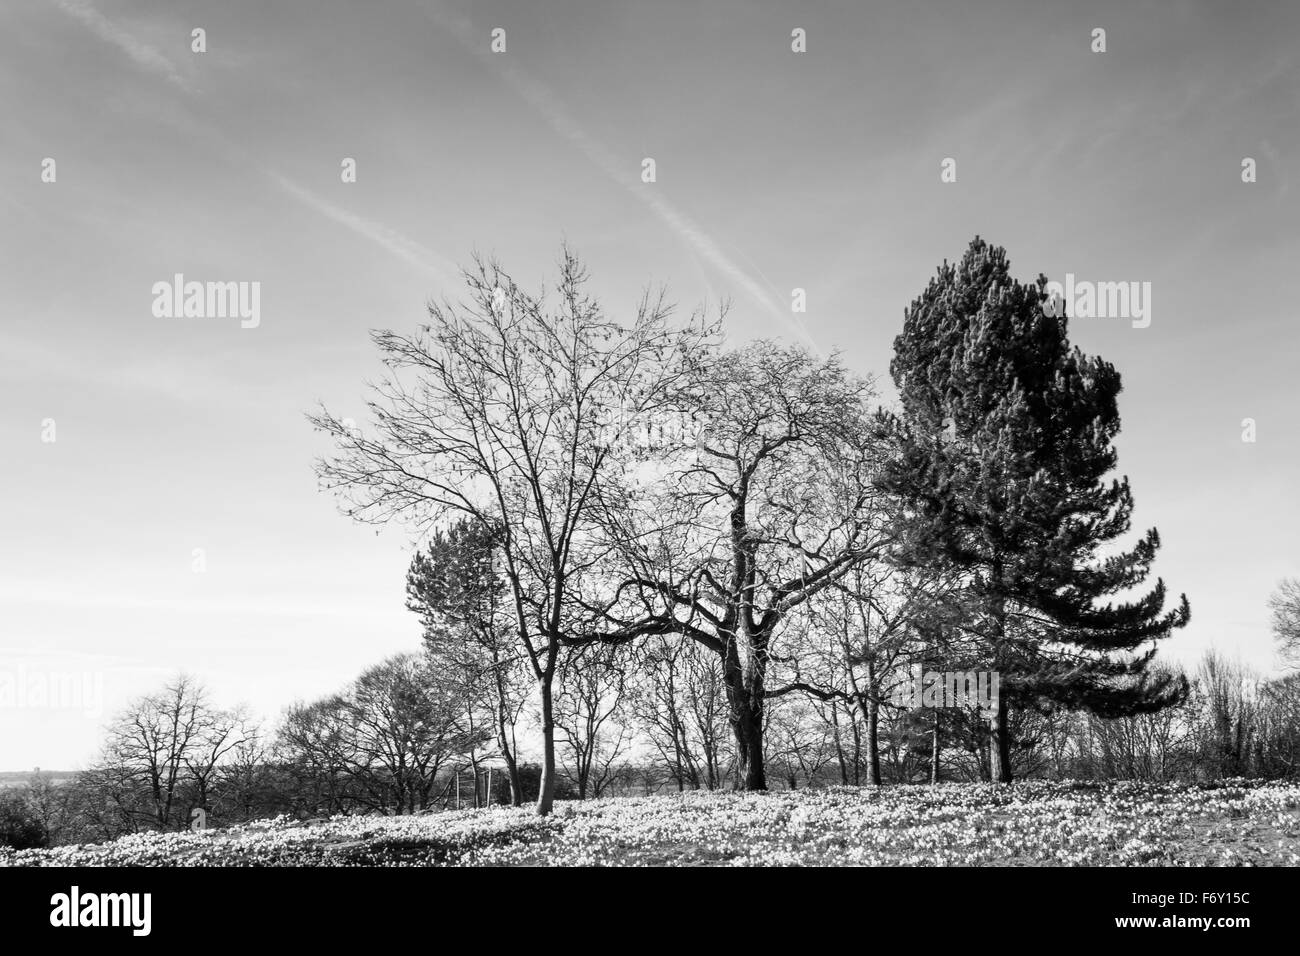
point(455, 588)
point(1006, 441)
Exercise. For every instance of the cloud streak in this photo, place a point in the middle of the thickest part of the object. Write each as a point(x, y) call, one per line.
point(549, 106)
point(142, 54)
point(148, 58)
point(401, 246)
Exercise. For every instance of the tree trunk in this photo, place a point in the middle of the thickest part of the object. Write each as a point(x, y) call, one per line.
point(1000, 755)
point(516, 786)
point(839, 747)
point(857, 748)
point(1000, 751)
point(546, 786)
point(873, 739)
point(745, 714)
point(934, 750)
point(748, 728)
point(503, 740)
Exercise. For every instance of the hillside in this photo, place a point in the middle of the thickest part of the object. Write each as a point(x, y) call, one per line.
point(1246, 823)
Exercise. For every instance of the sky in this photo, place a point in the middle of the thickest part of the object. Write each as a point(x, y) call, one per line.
point(181, 443)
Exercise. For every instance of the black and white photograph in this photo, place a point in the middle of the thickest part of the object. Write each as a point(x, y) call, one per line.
point(750, 434)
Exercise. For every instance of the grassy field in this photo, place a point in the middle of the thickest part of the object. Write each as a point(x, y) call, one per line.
point(1054, 824)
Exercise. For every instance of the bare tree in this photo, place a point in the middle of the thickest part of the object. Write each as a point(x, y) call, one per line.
point(588, 713)
point(499, 421)
point(403, 725)
point(161, 756)
point(1226, 693)
point(50, 804)
point(680, 705)
point(797, 743)
point(855, 642)
point(316, 750)
point(247, 785)
point(774, 502)
point(1285, 605)
point(222, 738)
point(1278, 735)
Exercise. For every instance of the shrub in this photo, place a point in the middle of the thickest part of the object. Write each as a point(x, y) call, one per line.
point(19, 829)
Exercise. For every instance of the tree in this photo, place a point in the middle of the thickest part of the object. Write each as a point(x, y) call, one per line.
point(381, 742)
point(1285, 605)
point(20, 829)
point(224, 738)
point(797, 745)
point(859, 638)
point(317, 753)
point(772, 503)
point(588, 713)
point(1006, 438)
point(249, 783)
point(403, 725)
point(1278, 734)
point(51, 804)
point(680, 704)
point(500, 423)
point(161, 756)
point(456, 589)
point(1226, 692)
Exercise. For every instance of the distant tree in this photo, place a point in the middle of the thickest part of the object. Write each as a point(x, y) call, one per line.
point(402, 726)
point(249, 783)
point(161, 756)
point(460, 596)
point(1225, 690)
point(797, 745)
point(313, 747)
point(1147, 746)
point(224, 737)
point(858, 640)
point(1285, 605)
point(589, 713)
point(680, 704)
point(1006, 441)
point(50, 803)
point(19, 827)
point(1278, 728)
point(530, 779)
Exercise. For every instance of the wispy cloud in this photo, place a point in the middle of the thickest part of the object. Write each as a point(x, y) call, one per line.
point(549, 106)
point(402, 246)
point(145, 56)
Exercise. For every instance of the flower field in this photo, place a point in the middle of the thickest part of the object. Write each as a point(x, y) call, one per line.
point(1055, 824)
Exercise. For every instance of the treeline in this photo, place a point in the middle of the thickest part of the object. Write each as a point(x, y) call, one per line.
point(402, 740)
point(395, 741)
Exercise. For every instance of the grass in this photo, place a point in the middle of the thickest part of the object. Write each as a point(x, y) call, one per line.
point(1028, 824)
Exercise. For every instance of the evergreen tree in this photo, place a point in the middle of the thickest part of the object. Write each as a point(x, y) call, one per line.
point(1005, 444)
point(455, 588)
